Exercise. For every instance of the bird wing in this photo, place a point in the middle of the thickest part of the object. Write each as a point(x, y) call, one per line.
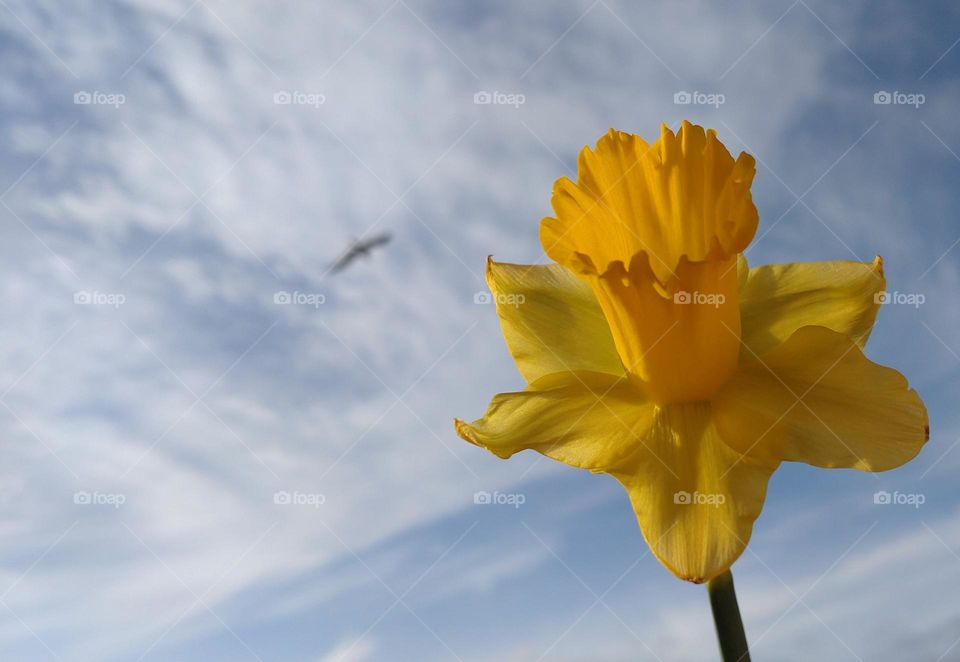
point(344, 260)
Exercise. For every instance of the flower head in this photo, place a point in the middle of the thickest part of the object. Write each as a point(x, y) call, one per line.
point(653, 353)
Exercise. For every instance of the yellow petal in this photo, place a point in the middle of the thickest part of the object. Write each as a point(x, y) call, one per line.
point(587, 420)
point(551, 320)
point(826, 403)
point(684, 195)
point(695, 497)
point(778, 299)
point(743, 270)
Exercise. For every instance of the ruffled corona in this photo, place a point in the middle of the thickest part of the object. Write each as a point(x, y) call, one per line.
point(655, 229)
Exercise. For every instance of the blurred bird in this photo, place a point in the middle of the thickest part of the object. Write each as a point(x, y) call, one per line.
point(358, 248)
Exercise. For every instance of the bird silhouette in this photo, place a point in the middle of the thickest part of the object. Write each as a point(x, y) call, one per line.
point(359, 248)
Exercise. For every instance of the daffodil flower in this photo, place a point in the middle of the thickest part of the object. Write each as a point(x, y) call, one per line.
point(653, 353)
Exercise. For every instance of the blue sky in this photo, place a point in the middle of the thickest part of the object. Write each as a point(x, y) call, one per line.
point(146, 432)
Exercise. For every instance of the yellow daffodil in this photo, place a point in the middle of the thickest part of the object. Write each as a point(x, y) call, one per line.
point(653, 353)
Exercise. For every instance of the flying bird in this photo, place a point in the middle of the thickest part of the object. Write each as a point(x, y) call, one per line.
point(359, 248)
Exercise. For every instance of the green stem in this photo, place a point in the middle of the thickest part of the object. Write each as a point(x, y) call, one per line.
point(726, 616)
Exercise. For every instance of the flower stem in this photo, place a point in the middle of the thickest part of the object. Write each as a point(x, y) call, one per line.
point(726, 616)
